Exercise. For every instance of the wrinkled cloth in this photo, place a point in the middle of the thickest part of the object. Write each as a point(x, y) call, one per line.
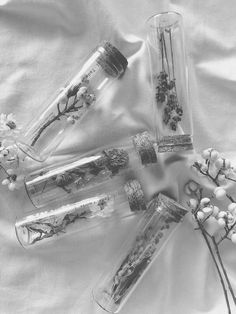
point(42, 44)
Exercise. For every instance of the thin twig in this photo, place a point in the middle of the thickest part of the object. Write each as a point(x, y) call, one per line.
point(60, 113)
point(166, 55)
point(207, 174)
point(224, 270)
point(216, 264)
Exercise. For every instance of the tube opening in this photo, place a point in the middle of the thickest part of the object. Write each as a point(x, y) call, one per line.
point(164, 20)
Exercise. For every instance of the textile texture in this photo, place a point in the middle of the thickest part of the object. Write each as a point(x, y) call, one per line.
point(42, 44)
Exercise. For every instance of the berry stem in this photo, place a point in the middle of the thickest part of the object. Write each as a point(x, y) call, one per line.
point(1, 166)
point(215, 263)
point(223, 268)
point(207, 174)
point(226, 233)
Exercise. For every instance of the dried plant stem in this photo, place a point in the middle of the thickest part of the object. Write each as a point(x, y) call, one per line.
point(71, 108)
point(215, 262)
point(223, 269)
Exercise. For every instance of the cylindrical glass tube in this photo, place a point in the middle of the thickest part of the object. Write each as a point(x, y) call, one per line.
point(165, 42)
point(47, 130)
point(47, 225)
point(59, 182)
point(157, 224)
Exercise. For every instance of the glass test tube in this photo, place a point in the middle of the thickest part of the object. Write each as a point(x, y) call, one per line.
point(59, 182)
point(47, 130)
point(47, 225)
point(165, 42)
point(159, 221)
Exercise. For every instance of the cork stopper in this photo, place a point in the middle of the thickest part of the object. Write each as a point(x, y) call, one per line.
point(145, 148)
point(175, 143)
point(135, 195)
point(112, 60)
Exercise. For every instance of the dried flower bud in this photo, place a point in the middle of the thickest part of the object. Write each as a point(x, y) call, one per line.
point(63, 179)
point(71, 120)
point(11, 125)
point(116, 159)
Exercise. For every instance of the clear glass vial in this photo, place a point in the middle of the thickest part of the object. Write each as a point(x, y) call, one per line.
point(47, 130)
point(159, 221)
point(165, 42)
point(60, 182)
point(47, 225)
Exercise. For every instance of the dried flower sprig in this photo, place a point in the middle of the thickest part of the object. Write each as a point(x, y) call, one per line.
point(8, 125)
point(166, 92)
point(47, 224)
point(161, 216)
point(76, 175)
point(108, 165)
point(216, 225)
point(9, 152)
point(72, 104)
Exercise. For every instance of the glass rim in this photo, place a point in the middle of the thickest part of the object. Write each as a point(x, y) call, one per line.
point(157, 15)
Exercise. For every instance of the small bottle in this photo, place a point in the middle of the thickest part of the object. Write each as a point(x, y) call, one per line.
point(59, 182)
point(143, 245)
point(48, 225)
point(46, 132)
point(165, 42)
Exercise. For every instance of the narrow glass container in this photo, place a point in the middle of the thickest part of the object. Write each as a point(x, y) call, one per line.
point(165, 42)
point(60, 182)
point(47, 225)
point(143, 245)
point(48, 129)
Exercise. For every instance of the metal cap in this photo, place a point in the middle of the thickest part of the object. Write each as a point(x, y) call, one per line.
point(168, 208)
point(112, 60)
point(135, 195)
point(145, 148)
point(175, 143)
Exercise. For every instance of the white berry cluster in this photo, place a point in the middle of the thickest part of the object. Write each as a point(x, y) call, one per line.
point(225, 218)
point(218, 167)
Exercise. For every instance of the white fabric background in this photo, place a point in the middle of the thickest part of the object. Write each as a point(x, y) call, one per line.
point(43, 43)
